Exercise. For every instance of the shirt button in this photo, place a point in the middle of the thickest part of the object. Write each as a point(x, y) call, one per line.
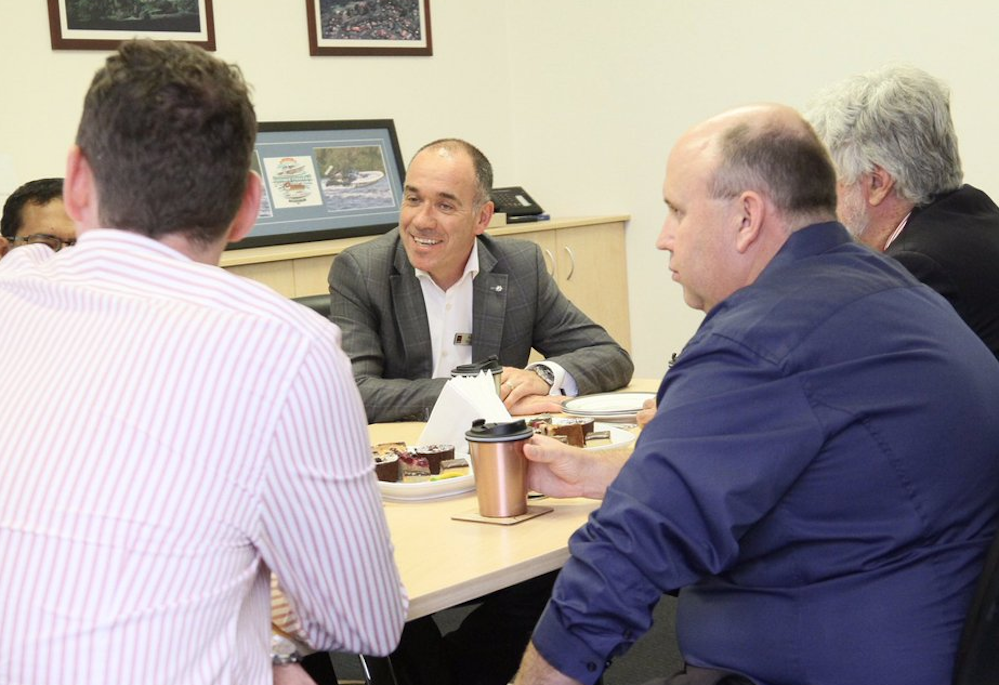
point(591, 667)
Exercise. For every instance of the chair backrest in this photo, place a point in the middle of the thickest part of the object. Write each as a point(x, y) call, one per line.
point(977, 660)
point(318, 303)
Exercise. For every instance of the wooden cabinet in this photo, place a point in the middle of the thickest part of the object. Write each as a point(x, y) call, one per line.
point(589, 264)
point(586, 256)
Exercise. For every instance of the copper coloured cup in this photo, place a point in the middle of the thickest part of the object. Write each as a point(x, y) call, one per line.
point(497, 451)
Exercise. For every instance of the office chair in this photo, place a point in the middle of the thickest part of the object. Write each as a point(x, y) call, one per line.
point(977, 659)
point(318, 303)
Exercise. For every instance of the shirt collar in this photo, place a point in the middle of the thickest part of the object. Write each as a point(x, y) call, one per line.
point(897, 231)
point(470, 272)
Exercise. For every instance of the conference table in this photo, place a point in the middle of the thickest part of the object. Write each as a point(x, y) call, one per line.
point(444, 562)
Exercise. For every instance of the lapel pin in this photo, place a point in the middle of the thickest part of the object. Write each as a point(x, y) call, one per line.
point(498, 288)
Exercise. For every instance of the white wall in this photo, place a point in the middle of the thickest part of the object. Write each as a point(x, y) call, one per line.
point(578, 100)
point(607, 87)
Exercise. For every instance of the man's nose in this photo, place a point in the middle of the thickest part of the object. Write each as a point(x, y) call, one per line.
point(425, 216)
point(665, 239)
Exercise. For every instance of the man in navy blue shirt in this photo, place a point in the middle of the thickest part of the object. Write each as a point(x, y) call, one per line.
point(821, 479)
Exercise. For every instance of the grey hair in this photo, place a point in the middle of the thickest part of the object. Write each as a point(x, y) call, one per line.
point(483, 169)
point(896, 117)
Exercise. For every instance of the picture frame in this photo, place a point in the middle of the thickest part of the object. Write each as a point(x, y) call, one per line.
point(369, 27)
point(326, 179)
point(104, 24)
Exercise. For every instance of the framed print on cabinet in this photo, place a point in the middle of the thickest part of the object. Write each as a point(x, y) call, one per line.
point(104, 24)
point(324, 180)
point(369, 27)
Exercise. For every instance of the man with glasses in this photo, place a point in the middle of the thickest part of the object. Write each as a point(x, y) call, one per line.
point(34, 213)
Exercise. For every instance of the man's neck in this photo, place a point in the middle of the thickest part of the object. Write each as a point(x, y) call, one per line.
point(206, 254)
point(884, 220)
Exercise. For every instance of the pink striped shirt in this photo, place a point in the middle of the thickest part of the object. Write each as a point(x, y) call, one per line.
point(171, 433)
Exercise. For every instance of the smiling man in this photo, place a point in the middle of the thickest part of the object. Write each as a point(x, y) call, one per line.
point(437, 292)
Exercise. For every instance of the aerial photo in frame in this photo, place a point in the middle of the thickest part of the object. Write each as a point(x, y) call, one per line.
point(102, 24)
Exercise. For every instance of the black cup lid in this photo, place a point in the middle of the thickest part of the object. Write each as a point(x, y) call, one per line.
point(498, 432)
point(489, 364)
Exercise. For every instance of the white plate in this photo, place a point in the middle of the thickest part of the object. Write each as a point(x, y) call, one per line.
point(618, 437)
point(428, 489)
point(608, 406)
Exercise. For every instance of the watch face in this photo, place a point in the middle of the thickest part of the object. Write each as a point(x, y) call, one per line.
point(547, 374)
point(283, 650)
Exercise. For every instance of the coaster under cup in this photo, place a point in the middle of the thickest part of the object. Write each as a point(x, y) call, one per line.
point(474, 516)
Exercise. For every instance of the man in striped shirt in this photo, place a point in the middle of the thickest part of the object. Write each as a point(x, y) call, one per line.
point(209, 431)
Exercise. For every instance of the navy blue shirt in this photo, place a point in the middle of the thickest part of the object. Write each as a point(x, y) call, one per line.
point(821, 480)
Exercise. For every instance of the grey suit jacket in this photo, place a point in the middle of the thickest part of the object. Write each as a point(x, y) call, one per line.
point(377, 302)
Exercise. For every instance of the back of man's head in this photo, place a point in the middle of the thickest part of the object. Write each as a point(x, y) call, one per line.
point(896, 117)
point(38, 192)
point(168, 130)
point(775, 152)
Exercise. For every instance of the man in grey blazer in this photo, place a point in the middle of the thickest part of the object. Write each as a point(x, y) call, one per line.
point(436, 292)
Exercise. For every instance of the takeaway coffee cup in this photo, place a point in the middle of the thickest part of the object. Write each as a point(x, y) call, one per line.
point(497, 451)
point(490, 365)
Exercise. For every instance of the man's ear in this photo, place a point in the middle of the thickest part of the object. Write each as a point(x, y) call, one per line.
point(79, 193)
point(878, 185)
point(249, 209)
point(4, 246)
point(484, 217)
point(751, 213)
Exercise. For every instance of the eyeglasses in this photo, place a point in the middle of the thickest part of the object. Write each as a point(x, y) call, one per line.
point(54, 242)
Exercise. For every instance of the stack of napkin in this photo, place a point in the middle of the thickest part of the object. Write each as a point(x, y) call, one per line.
point(463, 399)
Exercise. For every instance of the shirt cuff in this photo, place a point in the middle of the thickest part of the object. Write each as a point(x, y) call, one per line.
point(564, 383)
point(564, 651)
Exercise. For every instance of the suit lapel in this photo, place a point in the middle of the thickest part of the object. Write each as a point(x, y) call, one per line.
point(489, 293)
point(411, 317)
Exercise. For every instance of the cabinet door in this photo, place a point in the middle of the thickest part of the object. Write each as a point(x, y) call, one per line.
point(312, 275)
point(546, 241)
point(277, 275)
point(592, 272)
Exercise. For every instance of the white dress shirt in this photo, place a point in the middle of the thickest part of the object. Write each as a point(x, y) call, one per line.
point(172, 433)
point(449, 315)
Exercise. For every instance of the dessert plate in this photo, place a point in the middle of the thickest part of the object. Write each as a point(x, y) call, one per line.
point(619, 437)
point(428, 489)
point(609, 406)
point(436, 489)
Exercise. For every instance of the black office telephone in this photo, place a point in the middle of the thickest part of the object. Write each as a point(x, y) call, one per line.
point(516, 204)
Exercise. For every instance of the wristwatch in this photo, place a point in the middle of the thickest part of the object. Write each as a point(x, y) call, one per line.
point(283, 651)
point(547, 375)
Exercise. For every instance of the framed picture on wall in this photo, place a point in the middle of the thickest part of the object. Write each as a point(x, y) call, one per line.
point(103, 24)
point(325, 180)
point(369, 27)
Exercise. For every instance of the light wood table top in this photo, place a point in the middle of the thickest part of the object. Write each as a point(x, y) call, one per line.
point(445, 562)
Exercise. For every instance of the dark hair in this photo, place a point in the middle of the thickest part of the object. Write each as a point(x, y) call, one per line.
point(38, 192)
point(168, 131)
point(791, 165)
point(483, 169)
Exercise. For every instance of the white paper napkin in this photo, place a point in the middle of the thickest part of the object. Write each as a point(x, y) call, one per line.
point(463, 399)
